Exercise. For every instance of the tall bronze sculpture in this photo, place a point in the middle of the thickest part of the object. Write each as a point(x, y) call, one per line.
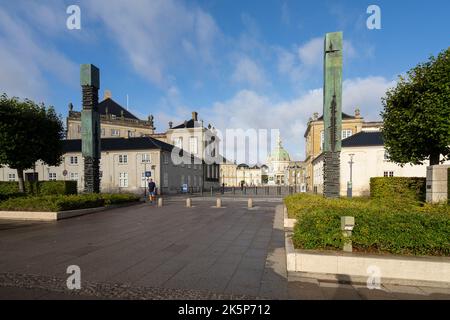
point(90, 127)
point(332, 113)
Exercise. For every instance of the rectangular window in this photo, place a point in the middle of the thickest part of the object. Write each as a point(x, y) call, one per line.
point(74, 176)
point(123, 159)
point(103, 132)
point(346, 133)
point(115, 132)
point(52, 176)
point(193, 145)
point(178, 142)
point(388, 173)
point(322, 139)
point(166, 158)
point(74, 160)
point(166, 179)
point(123, 180)
point(146, 158)
point(11, 177)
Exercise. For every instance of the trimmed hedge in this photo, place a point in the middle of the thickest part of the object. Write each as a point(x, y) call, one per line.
point(40, 187)
point(65, 202)
point(407, 188)
point(448, 185)
point(380, 226)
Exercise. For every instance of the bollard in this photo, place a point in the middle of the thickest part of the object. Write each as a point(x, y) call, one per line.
point(218, 203)
point(250, 203)
point(160, 202)
point(188, 202)
point(347, 225)
point(211, 191)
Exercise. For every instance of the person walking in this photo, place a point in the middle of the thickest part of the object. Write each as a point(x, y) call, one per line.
point(151, 190)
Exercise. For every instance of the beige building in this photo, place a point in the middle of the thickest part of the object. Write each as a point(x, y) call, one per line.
point(233, 175)
point(115, 120)
point(296, 175)
point(200, 142)
point(314, 136)
point(123, 166)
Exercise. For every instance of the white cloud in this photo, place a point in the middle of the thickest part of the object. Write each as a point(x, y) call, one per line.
point(311, 53)
point(247, 72)
point(27, 58)
point(250, 110)
point(152, 34)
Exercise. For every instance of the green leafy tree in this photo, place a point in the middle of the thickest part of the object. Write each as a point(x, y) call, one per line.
point(417, 113)
point(28, 132)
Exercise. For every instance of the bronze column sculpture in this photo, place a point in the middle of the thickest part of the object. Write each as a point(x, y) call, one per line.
point(90, 127)
point(332, 114)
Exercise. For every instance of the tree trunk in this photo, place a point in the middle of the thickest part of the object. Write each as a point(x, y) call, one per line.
point(21, 182)
point(434, 158)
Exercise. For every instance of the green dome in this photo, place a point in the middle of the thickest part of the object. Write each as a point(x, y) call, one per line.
point(279, 154)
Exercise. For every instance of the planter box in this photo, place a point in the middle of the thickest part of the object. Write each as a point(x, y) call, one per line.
point(354, 267)
point(54, 216)
point(288, 222)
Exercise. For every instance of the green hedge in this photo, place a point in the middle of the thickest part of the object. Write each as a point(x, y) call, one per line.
point(380, 226)
point(406, 188)
point(448, 185)
point(65, 202)
point(40, 187)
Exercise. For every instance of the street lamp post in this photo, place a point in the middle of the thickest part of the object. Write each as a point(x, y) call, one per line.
point(349, 183)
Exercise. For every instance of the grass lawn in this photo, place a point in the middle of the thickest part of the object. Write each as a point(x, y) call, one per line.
point(383, 226)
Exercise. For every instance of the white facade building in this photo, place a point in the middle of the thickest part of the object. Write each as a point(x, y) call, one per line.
point(369, 160)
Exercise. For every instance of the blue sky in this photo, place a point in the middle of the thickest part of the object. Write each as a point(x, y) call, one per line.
point(240, 64)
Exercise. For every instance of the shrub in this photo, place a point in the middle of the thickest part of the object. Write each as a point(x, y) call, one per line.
point(39, 187)
point(119, 198)
point(380, 226)
point(405, 188)
point(52, 203)
point(57, 187)
point(65, 202)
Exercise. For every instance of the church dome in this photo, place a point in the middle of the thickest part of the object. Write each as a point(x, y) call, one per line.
point(279, 154)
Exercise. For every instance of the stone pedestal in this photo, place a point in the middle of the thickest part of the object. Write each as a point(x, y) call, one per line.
point(437, 183)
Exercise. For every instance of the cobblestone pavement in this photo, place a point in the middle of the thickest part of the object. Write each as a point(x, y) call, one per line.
point(145, 252)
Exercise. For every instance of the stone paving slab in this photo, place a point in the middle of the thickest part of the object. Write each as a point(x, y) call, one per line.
point(145, 252)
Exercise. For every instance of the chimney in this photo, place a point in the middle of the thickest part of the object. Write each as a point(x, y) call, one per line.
point(107, 95)
point(194, 116)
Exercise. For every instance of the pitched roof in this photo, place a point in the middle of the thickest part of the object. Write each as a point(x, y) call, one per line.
point(364, 139)
point(110, 144)
point(344, 116)
point(115, 109)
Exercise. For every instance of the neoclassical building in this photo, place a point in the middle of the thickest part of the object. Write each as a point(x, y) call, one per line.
point(314, 136)
point(130, 147)
point(278, 162)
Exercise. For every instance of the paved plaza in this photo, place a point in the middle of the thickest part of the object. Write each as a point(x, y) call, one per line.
point(146, 252)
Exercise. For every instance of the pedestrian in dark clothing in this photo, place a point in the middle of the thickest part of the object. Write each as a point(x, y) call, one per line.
point(151, 190)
